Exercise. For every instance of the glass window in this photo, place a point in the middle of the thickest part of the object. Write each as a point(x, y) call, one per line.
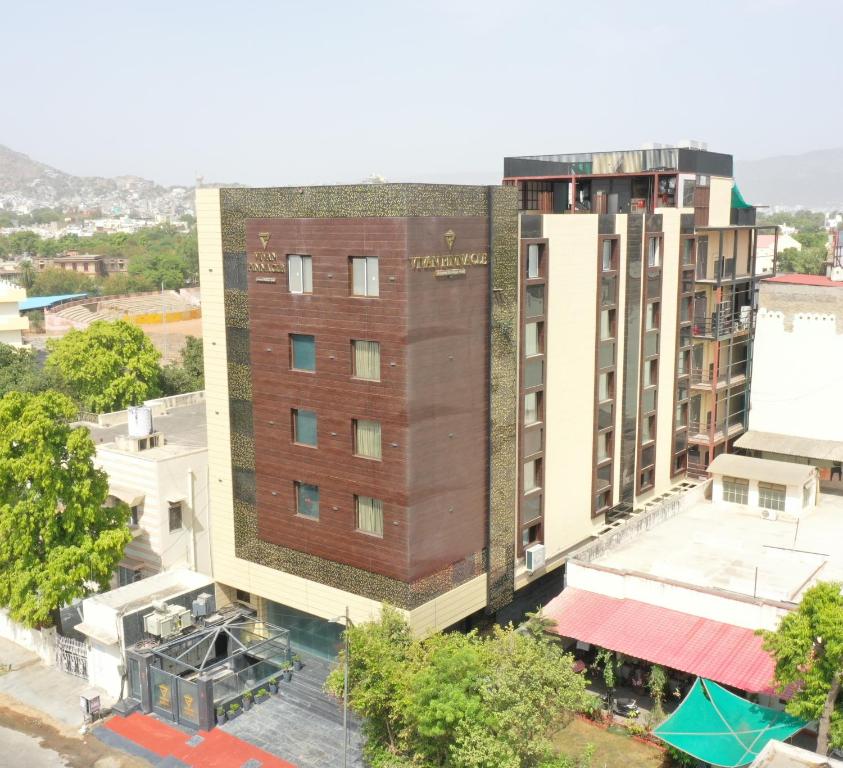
point(367, 438)
point(175, 516)
point(607, 324)
point(136, 513)
point(604, 415)
point(532, 339)
point(648, 400)
point(533, 260)
point(651, 343)
point(535, 300)
point(303, 352)
point(648, 431)
point(369, 515)
point(607, 261)
point(648, 456)
point(605, 386)
point(604, 476)
point(607, 290)
point(300, 274)
point(651, 372)
point(646, 479)
point(364, 276)
point(681, 415)
point(602, 500)
point(304, 427)
point(771, 496)
point(652, 316)
point(366, 359)
point(654, 252)
point(532, 407)
point(534, 373)
point(688, 250)
point(532, 475)
point(604, 445)
point(735, 490)
point(529, 535)
point(307, 500)
point(533, 441)
point(606, 354)
point(680, 441)
point(531, 508)
point(807, 494)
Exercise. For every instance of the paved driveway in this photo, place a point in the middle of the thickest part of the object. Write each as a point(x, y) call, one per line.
point(301, 724)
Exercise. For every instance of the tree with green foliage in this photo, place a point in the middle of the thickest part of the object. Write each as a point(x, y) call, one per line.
point(167, 269)
point(538, 625)
point(19, 371)
point(808, 261)
point(57, 539)
point(189, 374)
point(458, 700)
point(808, 651)
point(120, 283)
point(54, 281)
point(27, 275)
point(107, 366)
point(657, 684)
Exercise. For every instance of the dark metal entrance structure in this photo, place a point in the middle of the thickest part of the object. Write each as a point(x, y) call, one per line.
point(186, 677)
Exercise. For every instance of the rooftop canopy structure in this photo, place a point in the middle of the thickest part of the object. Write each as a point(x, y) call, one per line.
point(720, 728)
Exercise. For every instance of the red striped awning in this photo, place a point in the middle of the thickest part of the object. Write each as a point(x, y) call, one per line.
point(725, 653)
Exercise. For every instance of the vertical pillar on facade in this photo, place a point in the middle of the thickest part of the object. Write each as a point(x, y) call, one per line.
point(205, 708)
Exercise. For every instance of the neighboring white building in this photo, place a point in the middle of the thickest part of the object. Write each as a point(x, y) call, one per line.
point(797, 370)
point(157, 462)
point(12, 323)
point(766, 249)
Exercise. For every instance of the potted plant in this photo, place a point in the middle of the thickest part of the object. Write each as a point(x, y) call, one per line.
point(261, 696)
point(296, 662)
point(287, 671)
point(220, 714)
point(247, 700)
point(273, 685)
point(233, 710)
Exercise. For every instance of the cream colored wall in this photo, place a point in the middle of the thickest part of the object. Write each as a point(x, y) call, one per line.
point(667, 349)
point(268, 583)
point(621, 228)
point(720, 201)
point(569, 389)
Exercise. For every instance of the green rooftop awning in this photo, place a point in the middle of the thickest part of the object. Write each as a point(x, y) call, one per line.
point(737, 198)
point(718, 727)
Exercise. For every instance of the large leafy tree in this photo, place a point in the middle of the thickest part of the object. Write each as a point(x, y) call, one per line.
point(457, 700)
point(106, 367)
point(56, 282)
point(808, 651)
point(189, 374)
point(56, 537)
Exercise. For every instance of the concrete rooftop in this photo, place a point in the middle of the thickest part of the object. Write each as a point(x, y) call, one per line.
point(183, 427)
point(720, 546)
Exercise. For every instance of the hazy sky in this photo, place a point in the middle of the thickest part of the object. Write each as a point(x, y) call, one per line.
point(292, 93)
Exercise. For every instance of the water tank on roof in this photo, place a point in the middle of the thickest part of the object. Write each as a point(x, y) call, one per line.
point(140, 421)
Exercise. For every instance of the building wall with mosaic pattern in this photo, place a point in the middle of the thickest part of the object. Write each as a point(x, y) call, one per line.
point(302, 580)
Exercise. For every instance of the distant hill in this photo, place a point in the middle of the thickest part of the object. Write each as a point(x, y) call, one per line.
point(811, 180)
point(26, 182)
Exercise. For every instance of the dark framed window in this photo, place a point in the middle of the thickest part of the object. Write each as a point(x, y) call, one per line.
point(534, 195)
point(302, 352)
point(736, 490)
point(368, 513)
point(175, 516)
point(136, 513)
point(307, 500)
point(304, 427)
point(535, 261)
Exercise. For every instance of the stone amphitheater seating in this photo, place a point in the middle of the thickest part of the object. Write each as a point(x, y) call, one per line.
point(115, 308)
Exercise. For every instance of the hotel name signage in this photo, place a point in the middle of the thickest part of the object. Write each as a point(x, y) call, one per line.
point(449, 263)
point(265, 261)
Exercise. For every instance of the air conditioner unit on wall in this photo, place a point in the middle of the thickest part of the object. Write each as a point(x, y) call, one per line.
point(534, 557)
point(769, 514)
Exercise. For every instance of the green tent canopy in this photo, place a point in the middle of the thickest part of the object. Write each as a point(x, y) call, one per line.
point(718, 727)
point(737, 198)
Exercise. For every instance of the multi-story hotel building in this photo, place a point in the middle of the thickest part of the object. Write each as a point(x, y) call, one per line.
point(409, 387)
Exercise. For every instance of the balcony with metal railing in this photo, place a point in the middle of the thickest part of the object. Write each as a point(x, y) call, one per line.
point(705, 433)
point(722, 326)
point(708, 378)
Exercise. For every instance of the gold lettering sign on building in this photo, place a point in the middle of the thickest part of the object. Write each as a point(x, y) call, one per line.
point(163, 696)
point(188, 706)
point(449, 263)
point(266, 261)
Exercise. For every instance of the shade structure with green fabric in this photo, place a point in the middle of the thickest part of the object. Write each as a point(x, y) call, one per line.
point(737, 198)
point(718, 727)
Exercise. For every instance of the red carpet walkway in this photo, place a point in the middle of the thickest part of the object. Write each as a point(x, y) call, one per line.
point(216, 750)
